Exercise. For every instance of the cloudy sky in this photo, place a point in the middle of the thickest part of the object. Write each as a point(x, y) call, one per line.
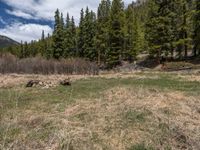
point(25, 19)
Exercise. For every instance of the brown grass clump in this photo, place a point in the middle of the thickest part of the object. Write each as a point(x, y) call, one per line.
point(125, 117)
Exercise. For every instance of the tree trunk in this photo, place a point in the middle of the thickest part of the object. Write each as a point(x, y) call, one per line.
point(185, 31)
point(172, 52)
point(195, 50)
point(99, 58)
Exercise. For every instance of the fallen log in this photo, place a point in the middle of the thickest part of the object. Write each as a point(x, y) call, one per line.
point(32, 83)
point(178, 69)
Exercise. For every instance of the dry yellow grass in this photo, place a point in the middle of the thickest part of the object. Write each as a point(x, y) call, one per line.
point(120, 117)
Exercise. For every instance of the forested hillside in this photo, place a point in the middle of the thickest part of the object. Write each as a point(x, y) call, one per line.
point(5, 42)
point(167, 29)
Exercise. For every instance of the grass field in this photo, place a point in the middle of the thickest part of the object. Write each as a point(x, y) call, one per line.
point(141, 111)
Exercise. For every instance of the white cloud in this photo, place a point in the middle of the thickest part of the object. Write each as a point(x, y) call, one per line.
point(20, 13)
point(2, 21)
point(25, 32)
point(44, 9)
point(41, 10)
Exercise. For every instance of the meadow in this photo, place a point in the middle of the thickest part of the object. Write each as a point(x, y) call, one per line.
point(130, 111)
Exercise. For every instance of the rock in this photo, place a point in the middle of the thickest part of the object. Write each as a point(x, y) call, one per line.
point(41, 83)
point(46, 87)
point(47, 84)
point(65, 82)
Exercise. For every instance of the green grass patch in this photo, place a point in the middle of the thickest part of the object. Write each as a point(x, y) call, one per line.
point(43, 132)
point(141, 146)
point(133, 116)
point(88, 89)
point(16, 102)
point(8, 134)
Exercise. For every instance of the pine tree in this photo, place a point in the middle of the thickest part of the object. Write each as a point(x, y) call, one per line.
point(196, 34)
point(101, 38)
point(183, 25)
point(70, 38)
point(184, 28)
point(132, 34)
point(81, 35)
point(116, 34)
point(67, 43)
point(26, 50)
point(73, 37)
point(62, 24)
point(138, 41)
point(42, 44)
point(43, 36)
point(158, 28)
point(49, 50)
point(136, 17)
point(22, 51)
point(33, 51)
point(58, 36)
point(89, 35)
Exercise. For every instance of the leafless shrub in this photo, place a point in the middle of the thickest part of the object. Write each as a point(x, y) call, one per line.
point(38, 65)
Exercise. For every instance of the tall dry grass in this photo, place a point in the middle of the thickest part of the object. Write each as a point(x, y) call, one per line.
point(37, 65)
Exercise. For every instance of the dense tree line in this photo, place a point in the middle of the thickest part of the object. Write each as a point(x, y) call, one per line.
point(116, 33)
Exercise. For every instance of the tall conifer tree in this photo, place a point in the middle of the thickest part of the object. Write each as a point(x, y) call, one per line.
point(81, 34)
point(158, 28)
point(58, 36)
point(89, 35)
point(116, 34)
point(196, 35)
point(102, 36)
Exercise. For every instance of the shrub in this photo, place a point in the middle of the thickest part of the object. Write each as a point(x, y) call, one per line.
point(38, 65)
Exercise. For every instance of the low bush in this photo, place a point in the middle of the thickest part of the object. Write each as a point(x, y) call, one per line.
point(38, 65)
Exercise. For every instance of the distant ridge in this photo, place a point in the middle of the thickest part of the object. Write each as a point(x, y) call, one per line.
point(6, 41)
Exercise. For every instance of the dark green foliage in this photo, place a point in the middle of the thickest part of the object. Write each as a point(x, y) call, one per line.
point(58, 36)
point(134, 34)
point(67, 43)
point(102, 36)
point(81, 35)
point(196, 35)
point(116, 34)
point(42, 45)
point(69, 38)
point(183, 9)
point(159, 29)
point(89, 26)
point(130, 20)
point(169, 28)
point(73, 38)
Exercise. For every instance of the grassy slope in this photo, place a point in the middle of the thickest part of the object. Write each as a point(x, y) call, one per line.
point(97, 113)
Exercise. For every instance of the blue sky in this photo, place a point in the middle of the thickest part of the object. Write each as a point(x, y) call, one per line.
point(25, 19)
